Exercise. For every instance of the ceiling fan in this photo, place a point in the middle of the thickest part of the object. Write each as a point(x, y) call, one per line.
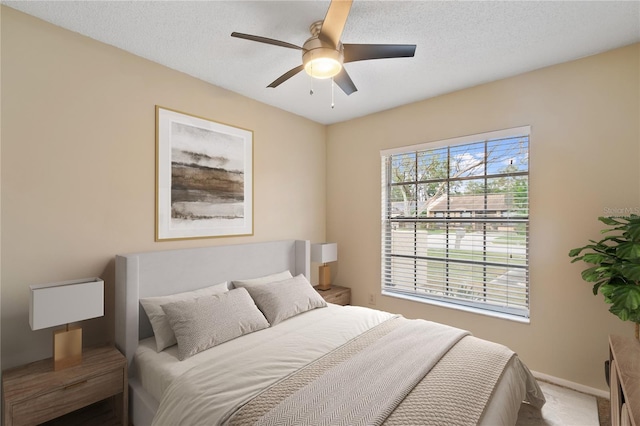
point(323, 54)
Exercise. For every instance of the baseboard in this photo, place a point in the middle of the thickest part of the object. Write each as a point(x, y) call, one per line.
point(571, 385)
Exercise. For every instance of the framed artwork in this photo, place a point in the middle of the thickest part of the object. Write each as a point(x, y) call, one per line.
point(204, 177)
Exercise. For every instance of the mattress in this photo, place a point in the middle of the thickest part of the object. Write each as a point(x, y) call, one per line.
point(248, 365)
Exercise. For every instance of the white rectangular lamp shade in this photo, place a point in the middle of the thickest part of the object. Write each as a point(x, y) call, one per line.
point(65, 302)
point(324, 253)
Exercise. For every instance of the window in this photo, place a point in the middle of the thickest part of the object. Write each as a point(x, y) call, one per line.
point(455, 223)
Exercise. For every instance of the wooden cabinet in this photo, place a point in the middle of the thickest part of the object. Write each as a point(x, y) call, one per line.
point(624, 380)
point(336, 294)
point(35, 393)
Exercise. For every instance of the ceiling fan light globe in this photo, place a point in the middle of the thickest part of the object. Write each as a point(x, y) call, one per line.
point(323, 67)
point(322, 62)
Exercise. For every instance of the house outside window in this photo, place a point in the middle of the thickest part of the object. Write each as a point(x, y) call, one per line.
point(455, 223)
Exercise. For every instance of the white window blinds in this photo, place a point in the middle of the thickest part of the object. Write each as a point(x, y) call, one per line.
point(455, 222)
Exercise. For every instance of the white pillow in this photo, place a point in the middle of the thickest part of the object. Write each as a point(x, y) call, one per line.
point(202, 323)
point(161, 328)
point(263, 280)
point(285, 299)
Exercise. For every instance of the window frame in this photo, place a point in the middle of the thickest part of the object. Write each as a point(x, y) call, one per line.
point(519, 314)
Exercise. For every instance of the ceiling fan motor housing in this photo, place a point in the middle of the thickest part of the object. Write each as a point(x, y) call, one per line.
point(321, 59)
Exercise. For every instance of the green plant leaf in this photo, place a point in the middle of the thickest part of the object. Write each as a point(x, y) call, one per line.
point(633, 232)
point(609, 221)
point(627, 296)
point(628, 250)
point(618, 281)
point(591, 275)
point(607, 292)
point(596, 247)
point(607, 289)
point(619, 311)
point(611, 238)
point(594, 258)
point(631, 271)
point(635, 316)
point(575, 252)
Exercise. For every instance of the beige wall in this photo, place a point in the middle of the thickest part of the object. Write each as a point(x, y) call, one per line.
point(1, 9)
point(78, 166)
point(585, 145)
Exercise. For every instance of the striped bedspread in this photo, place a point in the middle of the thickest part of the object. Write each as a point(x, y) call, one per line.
point(398, 372)
point(378, 378)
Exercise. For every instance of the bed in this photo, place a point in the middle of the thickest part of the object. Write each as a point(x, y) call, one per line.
point(326, 364)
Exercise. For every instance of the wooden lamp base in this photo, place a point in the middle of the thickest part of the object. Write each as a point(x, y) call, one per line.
point(67, 348)
point(324, 277)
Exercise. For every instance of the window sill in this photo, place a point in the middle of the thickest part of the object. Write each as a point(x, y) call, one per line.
point(470, 309)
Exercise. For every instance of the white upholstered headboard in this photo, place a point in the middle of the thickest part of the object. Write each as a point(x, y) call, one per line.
point(160, 273)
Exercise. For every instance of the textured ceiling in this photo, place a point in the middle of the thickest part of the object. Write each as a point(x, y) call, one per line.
point(459, 44)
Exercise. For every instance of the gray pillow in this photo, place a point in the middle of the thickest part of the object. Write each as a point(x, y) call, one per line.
point(208, 321)
point(153, 307)
point(262, 280)
point(285, 299)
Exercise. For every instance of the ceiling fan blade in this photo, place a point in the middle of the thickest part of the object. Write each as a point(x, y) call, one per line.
point(343, 81)
point(363, 52)
point(265, 40)
point(334, 21)
point(286, 76)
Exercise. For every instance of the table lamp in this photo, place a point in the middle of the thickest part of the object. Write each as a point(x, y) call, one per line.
point(61, 303)
point(324, 253)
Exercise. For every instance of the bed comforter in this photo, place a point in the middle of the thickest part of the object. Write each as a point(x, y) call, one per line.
point(398, 372)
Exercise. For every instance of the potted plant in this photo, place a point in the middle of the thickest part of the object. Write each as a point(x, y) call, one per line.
point(616, 266)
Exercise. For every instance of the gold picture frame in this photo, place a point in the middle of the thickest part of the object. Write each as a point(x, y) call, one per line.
point(204, 177)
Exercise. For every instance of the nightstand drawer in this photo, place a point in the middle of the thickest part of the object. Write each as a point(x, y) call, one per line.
point(67, 399)
point(336, 294)
point(340, 298)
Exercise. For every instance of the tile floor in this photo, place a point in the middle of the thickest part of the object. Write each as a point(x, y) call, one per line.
point(564, 407)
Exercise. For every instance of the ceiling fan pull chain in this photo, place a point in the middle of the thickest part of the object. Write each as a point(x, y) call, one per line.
point(332, 92)
point(311, 89)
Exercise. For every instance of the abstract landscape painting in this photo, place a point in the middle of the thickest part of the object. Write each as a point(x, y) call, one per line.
point(204, 177)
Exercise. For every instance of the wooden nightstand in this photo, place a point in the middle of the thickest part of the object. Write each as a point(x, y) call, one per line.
point(624, 378)
point(34, 393)
point(336, 294)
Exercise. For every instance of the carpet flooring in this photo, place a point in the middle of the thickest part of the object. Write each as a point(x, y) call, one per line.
point(565, 407)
